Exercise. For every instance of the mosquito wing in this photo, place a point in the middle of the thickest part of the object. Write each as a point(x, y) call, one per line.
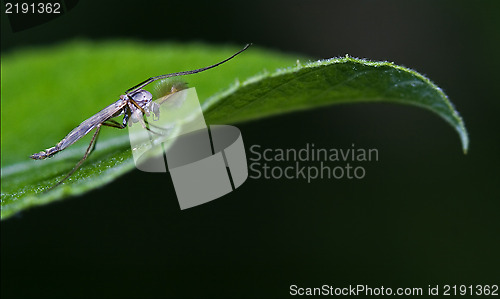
point(85, 127)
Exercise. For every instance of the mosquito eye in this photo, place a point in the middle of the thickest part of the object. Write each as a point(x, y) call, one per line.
point(142, 96)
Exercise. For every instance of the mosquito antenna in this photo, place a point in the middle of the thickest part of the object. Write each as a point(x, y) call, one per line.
point(152, 79)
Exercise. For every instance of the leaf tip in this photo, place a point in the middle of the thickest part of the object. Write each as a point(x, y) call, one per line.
point(464, 137)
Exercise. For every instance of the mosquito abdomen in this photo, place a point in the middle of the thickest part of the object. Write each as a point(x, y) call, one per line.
point(46, 153)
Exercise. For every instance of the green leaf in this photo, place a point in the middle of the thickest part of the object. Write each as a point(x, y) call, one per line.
point(327, 82)
point(46, 92)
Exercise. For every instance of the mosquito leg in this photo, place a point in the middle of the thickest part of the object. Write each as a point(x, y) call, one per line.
point(90, 148)
point(145, 124)
point(114, 124)
point(141, 116)
point(136, 105)
point(163, 131)
point(141, 120)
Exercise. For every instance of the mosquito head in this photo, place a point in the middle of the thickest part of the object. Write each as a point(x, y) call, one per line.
point(141, 97)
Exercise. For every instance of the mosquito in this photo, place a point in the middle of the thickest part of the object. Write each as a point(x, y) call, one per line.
point(133, 105)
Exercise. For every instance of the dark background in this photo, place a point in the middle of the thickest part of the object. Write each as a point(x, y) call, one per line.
point(424, 215)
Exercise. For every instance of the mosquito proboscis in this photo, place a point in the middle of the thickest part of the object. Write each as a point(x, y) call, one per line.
point(134, 104)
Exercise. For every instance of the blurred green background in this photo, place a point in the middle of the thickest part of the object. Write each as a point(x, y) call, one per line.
point(424, 214)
